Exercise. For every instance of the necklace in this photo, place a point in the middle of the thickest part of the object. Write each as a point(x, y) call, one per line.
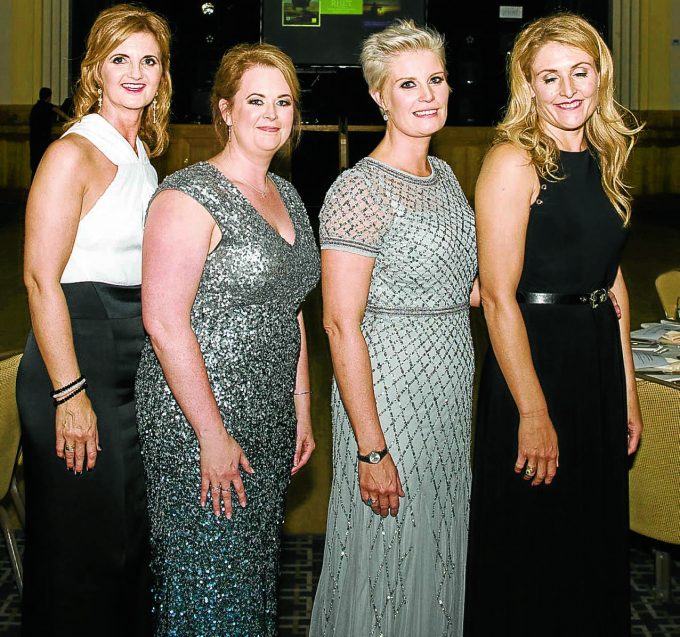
point(262, 193)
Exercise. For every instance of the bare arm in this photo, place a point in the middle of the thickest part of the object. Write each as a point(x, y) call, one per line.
point(53, 211)
point(346, 280)
point(178, 235)
point(634, 416)
point(505, 188)
point(475, 298)
point(302, 395)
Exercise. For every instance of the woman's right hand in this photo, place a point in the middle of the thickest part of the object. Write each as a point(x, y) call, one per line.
point(381, 483)
point(221, 457)
point(537, 448)
point(77, 435)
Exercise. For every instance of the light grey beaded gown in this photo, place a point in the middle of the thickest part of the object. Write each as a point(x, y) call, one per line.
point(216, 578)
point(404, 576)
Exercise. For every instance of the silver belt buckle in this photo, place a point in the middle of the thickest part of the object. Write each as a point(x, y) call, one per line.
point(597, 297)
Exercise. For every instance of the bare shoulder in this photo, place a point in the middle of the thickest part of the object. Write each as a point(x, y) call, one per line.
point(76, 156)
point(508, 157)
point(171, 200)
point(510, 169)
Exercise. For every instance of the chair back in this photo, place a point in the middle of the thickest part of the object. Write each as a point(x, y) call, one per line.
point(654, 478)
point(668, 289)
point(10, 430)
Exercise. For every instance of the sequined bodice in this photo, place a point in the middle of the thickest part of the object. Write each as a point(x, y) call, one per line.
point(253, 268)
point(419, 229)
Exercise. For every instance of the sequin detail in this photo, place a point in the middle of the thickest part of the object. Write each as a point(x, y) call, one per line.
point(215, 577)
point(404, 576)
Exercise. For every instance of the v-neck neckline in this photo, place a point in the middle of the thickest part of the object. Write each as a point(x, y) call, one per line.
point(256, 211)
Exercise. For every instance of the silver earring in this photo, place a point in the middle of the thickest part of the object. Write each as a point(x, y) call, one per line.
point(99, 98)
point(154, 106)
point(385, 115)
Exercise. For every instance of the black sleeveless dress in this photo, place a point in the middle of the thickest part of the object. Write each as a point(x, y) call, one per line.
point(554, 560)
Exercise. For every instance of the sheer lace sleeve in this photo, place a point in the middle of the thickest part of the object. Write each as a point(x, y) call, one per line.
point(353, 218)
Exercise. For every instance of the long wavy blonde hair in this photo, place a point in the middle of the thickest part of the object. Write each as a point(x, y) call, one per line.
point(606, 131)
point(110, 29)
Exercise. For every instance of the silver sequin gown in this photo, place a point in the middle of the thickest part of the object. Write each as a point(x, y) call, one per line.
point(404, 576)
point(216, 578)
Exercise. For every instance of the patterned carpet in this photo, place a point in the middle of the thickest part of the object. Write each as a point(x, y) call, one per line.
point(301, 563)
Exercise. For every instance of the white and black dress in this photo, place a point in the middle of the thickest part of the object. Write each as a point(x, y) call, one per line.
point(86, 559)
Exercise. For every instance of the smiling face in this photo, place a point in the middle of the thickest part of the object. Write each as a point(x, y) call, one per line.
point(261, 112)
point(131, 74)
point(564, 83)
point(415, 94)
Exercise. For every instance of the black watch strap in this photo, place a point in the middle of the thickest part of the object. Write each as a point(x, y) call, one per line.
point(374, 457)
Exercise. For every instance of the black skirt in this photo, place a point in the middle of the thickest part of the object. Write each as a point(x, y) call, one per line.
point(86, 558)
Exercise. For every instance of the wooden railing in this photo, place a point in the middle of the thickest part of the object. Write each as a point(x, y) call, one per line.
point(654, 167)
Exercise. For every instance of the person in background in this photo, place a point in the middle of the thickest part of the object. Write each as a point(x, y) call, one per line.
point(223, 385)
point(398, 267)
point(43, 116)
point(86, 560)
point(557, 409)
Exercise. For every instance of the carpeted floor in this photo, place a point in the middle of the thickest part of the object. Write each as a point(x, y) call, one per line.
point(301, 563)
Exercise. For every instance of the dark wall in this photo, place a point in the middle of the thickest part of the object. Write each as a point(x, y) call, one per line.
point(477, 45)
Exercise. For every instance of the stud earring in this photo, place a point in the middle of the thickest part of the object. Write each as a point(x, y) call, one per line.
point(99, 98)
point(154, 106)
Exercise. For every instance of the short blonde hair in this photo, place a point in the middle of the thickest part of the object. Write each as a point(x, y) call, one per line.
point(235, 62)
point(606, 132)
point(403, 36)
point(112, 27)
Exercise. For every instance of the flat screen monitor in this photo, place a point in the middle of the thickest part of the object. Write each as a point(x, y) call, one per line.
point(330, 32)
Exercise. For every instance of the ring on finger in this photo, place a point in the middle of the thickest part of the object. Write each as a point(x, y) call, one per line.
point(529, 471)
point(369, 502)
point(216, 488)
point(69, 448)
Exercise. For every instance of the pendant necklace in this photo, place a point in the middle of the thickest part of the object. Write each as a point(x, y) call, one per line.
point(262, 193)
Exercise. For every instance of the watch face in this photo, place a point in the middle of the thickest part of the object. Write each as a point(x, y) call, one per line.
point(374, 457)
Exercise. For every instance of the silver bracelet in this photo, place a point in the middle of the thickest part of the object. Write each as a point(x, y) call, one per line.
point(302, 393)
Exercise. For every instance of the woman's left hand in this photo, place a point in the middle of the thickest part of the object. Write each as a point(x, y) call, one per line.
point(634, 422)
point(304, 445)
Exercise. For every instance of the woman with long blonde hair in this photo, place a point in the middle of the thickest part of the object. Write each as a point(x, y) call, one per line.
point(558, 410)
point(86, 561)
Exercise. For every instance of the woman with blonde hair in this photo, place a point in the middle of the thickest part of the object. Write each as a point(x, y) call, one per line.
point(223, 385)
point(398, 266)
point(558, 410)
point(86, 560)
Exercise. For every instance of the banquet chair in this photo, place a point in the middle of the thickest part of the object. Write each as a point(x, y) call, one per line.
point(654, 478)
point(10, 434)
point(668, 289)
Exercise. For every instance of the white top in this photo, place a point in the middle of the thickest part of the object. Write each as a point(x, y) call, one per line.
point(108, 245)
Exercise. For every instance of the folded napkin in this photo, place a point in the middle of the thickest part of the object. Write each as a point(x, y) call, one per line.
point(670, 338)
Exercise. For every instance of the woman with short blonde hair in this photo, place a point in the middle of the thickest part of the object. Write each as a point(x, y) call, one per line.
point(557, 407)
point(398, 264)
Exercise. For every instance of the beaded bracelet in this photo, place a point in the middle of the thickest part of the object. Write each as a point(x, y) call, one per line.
point(75, 392)
point(56, 392)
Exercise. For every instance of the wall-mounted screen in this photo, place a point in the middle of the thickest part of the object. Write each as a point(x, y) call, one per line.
point(330, 32)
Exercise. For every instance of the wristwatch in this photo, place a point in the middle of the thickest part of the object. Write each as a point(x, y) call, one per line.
point(374, 457)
